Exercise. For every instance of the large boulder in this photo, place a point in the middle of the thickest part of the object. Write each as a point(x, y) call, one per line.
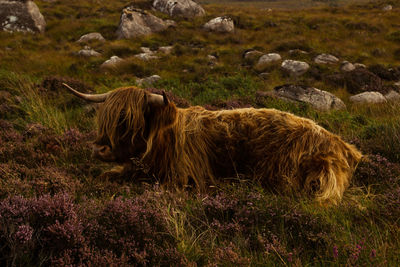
point(319, 99)
point(137, 22)
point(368, 98)
point(361, 80)
point(179, 8)
point(220, 24)
point(294, 67)
point(21, 16)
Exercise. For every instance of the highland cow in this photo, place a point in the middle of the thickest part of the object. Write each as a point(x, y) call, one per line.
point(183, 146)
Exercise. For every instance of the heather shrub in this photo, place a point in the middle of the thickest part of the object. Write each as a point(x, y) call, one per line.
point(133, 229)
point(378, 171)
point(260, 219)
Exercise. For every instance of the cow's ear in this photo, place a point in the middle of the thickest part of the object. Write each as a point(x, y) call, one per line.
point(165, 98)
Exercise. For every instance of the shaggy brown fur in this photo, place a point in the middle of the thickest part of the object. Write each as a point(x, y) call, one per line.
point(276, 148)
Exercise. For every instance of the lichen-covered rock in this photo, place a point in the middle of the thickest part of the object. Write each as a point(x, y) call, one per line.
point(317, 98)
point(148, 80)
point(361, 80)
point(21, 16)
point(220, 24)
point(252, 56)
point(347, 66)
point(294, 67)
point(112, 63)
point(392, 96)
point(179, 8)
point(368, 98)
point(93, 36)
point(326, 59)
point(137, 22)
point(88, 52)
point(266, 60)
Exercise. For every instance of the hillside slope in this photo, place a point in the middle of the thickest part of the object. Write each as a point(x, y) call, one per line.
point(56, 207)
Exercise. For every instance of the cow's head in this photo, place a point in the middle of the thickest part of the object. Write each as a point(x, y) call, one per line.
point(128, 119)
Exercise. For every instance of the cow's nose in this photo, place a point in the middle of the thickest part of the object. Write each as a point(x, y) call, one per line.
point(102, 152)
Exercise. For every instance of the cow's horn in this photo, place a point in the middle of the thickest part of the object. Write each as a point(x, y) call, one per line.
point(88, 97)
point(159, 100)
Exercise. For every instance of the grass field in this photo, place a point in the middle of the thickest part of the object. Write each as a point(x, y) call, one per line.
point(284, 4)
point(55, 209)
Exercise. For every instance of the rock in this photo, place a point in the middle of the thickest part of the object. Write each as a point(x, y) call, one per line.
point(21, 16)
point(252, 56)
point(359, 65)
point(165, 49)
point(387, 8)
point(362, 80)
point(137, 22)
point(148, 80)
point(295, 68)
point(146, 56)
point(368, 98)
point(326, 59)
point(347, 66)
point(264, 75)
point(392, 96)
point(212, 60)
point(297, 52)
point(112, 63)
point(319, 99)
point(391, 74)
point(179, 8)
point(266, 60)
point(88, 52)
point(220, 24)
point(93, 36)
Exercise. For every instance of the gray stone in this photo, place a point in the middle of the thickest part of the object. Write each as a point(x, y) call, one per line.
point(112, 63)
point(137, 22)
point(252, 56)
point(88, 52)
point(220, 24)
point(295, 68)
point(368, 98)
point(387, 8)
point(359, 65)
point(21, 16)
point(347, 66)
point(318, 99)
point(148, 80)
point(266, 60)
point(179, 8)
point(165, 49)
point(146, 56)
point(93, 36)
point(326, 59)
point(392, 96)
point(212, 60)
point(297, 52)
